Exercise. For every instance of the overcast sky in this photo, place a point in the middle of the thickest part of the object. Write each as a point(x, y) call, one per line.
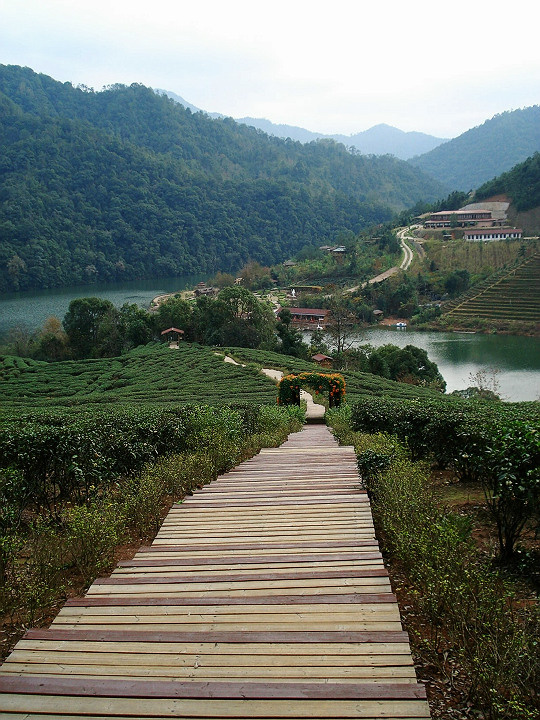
point(333, 67)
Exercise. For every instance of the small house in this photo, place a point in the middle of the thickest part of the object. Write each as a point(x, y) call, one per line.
point(324, 361)
point(172, 335)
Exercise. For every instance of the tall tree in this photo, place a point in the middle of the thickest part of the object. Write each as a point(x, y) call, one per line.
point(81, 324)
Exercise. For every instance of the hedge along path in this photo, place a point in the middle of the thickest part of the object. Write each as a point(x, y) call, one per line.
point(314, 411)
point(263, 595)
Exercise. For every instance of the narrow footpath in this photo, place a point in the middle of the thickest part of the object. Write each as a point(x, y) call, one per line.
point(264, 595)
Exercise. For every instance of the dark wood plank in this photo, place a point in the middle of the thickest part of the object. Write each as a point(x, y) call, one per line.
point(251, 559)
point(346, 599)
point(104, 687)
point(223, 636)
point(239, 577)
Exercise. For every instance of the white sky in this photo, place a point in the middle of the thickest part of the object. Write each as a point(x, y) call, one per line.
point(334, 67)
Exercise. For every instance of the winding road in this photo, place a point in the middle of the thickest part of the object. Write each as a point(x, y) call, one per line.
point(408, 256)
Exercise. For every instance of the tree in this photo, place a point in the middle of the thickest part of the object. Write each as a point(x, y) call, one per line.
point(248, 322)
point(256, 277)
point(342, 325)
point(291, 342)
point(174, 312)
point(222, 280)
point(457, 282)
point(53, 342)
point(511, 481)
point(137, 325)
point(81, 324)
point(411, 364)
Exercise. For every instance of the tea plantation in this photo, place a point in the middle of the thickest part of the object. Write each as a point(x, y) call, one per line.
point(512, 295)
point(359, 384)
point(152, 374)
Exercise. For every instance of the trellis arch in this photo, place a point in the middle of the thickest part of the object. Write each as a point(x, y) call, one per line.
point(290, 385)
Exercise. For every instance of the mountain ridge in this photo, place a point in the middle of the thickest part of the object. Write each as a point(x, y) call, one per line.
point(485, 151)
point(125, 183)
point(381, 139)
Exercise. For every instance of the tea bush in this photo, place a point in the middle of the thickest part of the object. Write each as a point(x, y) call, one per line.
point(76, 515)
point(466, 608)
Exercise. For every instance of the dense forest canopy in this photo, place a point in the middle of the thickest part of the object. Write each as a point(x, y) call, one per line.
point(125, 183)
point(485, 151)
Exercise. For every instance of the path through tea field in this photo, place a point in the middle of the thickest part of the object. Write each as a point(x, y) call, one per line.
point(264, 595)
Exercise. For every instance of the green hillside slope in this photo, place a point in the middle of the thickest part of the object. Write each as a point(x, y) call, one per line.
point(521, 184)
point(513, 295)
point(484, 151)
point(125, 183)
point(148, 375)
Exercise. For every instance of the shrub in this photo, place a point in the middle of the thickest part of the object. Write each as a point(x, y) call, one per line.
point(511, 481)
point(92, 534)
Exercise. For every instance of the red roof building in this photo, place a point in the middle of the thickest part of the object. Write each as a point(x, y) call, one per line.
point(308, 317)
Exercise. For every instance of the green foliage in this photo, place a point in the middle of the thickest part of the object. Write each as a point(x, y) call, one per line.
point(467, 611)
point(126, 183)
point(147, 375)
point(496, 443)
point(447, 430)
point(511, 480)
point(512, 294)
point(521, 184)
point(82, 322)
point(91, 537)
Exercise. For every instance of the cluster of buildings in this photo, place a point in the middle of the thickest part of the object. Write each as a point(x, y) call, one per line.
point(480, 223)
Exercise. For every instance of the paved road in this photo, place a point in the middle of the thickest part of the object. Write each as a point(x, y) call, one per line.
point(407, 252)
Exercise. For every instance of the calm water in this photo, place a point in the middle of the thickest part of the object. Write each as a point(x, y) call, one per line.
point(31, 309)
point(458, 355)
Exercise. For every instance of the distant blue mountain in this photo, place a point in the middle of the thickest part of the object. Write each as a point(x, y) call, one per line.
point(379, 140)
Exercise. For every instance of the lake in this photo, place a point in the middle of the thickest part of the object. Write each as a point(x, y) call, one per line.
point(458, 355)
point(31, 309)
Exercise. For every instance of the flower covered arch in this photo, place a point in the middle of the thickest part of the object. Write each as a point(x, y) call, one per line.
point(331, 383)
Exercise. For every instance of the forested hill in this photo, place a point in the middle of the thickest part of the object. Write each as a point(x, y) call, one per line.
point(125, 183)
point(485, 151)
point(521, 184)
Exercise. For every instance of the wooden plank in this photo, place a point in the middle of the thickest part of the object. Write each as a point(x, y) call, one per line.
point(259, 636)
point(230, 709)
point(310, 653)
point(104, 687)
point(352, 598)
point(266, 546)
point(254, 559)
point(400, 674)
point(240, 577)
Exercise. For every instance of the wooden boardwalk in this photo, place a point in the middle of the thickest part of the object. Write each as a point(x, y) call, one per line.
point(263, 596)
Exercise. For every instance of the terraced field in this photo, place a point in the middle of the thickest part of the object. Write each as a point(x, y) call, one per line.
point(513, 295)
point(147, 375)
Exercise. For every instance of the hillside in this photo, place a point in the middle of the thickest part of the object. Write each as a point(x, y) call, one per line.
point(125, 183)
point(510, 295)
point(152, 375)
point(484, 151)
